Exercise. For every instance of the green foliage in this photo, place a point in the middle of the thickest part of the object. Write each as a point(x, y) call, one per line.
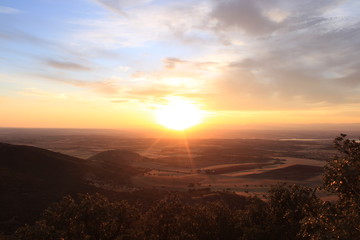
point(332, 221)
point(342, 174)
point(171, 219)
point(340, 219)
point(91, 217)
point(288, 205)
point(254, 220)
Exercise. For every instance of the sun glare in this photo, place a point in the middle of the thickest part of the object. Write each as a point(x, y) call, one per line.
point(178, 114)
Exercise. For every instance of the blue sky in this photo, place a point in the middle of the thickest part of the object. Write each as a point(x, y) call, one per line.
point(242, 61)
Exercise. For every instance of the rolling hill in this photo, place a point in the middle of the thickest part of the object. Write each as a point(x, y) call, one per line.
point(31, 178)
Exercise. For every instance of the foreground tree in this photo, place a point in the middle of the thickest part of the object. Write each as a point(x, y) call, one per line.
point(341, 219)
point(288, 206)
point(342, 174)
point(89, 217)
point(172, 219)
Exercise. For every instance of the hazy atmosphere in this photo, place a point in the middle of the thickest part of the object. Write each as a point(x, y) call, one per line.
point(179, 120)
point(123, 63)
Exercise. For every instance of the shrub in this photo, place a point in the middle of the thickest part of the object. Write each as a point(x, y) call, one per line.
point(89, 217)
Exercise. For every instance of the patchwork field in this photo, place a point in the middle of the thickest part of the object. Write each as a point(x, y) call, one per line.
point(245, 166)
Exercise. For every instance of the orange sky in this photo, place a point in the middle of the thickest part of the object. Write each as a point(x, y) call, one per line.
point(115, 63)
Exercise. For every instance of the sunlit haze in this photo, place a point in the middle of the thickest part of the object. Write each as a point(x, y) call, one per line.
point(178, 114)
point(204, 64)
point(178, 119)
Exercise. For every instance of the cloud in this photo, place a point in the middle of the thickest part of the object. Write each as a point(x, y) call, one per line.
point(230, 54)
point(123, 68)
point(21, 36)
point(244, 14)
point(34, 92)
point(99, 33)
point(300, 71)
point(293, 55)
point(171, 63)
point(47, 46)
point(9, 10)
point(107, 87)
point(159, 93)
point(112, 5)
point(118, 6)
point(61, 96)
point(279, 54)
point(265, 17)
point(162, 24)
point(66, 65)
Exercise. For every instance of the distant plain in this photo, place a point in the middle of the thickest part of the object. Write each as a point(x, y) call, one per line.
point(242, 165)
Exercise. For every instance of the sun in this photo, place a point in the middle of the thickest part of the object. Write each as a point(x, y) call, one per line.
point(178, 114)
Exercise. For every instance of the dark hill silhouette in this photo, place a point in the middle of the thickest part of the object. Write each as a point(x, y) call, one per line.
point(37, 161)
point(119, 160)
point(117, 157)
point(31, 178)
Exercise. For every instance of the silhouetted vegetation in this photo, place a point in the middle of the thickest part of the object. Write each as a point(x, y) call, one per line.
point(288, 212)
point(341, 219)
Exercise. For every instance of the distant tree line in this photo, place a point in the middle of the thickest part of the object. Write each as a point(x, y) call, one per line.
point(290, 212)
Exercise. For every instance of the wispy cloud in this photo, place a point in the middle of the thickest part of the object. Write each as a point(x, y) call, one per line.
point(66, 65)
point(118, 6)
point(171, 63)
point(167, 22)
point(9, 10)
point(22, 36)
point(107, 87)
point(112, 5)
point(35, 92)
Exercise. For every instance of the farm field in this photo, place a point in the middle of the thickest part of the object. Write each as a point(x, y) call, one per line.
point(245, 166)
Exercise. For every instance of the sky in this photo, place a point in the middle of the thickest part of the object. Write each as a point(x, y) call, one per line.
point(112, 63)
